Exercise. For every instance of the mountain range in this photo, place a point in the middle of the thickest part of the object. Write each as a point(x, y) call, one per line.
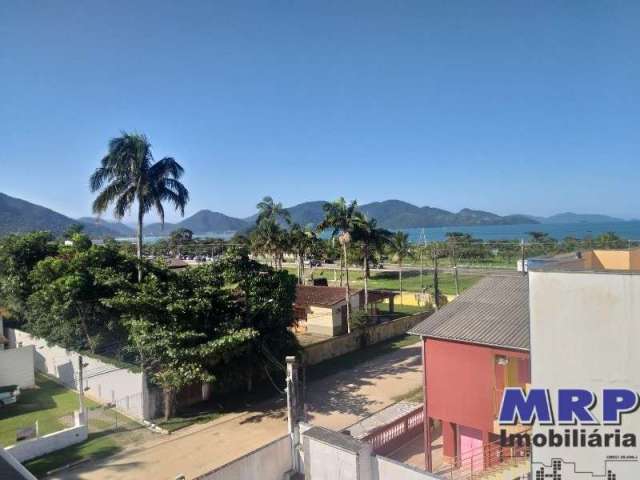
point(18, 215)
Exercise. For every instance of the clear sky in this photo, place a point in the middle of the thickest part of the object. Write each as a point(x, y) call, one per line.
point(512, 106)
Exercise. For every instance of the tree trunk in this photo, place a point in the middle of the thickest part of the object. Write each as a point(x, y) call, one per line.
point(169, 402)
point(85, 330)
point(347, 290)
point(139, 242)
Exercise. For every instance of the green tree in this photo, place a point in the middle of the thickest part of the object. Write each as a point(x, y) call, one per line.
point(340, 218)
point(371, 240)
point(179, 237)
point(272, 211)
point(265, 305)
point(301, 242)
point(128, 176)
point(182, 326)
point(401, 249)
point(269, 239)
point(71, 290)
point(18, 255)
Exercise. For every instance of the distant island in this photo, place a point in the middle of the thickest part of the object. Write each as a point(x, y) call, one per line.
point(17, 215)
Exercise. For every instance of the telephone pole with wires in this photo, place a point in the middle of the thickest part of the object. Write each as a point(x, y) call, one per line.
point(81, 366)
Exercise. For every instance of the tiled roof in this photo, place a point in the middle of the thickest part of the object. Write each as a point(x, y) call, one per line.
point(495, 311)
point(322, 296)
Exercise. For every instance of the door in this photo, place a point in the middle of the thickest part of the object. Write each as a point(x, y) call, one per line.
point(471, 451)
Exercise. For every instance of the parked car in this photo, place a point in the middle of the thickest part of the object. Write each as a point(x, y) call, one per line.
point(9, 395)
point(315, 263)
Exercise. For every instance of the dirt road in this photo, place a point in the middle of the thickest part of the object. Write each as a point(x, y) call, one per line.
point(335, 402)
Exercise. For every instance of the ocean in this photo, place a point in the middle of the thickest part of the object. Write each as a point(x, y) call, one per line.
point(626, 230)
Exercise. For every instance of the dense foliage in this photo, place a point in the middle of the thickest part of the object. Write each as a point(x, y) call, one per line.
point(225, 322)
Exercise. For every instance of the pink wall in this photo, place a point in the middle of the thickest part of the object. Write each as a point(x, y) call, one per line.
point(461, 382)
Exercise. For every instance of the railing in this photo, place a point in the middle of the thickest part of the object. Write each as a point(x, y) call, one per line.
point(390, 437)
point(480, 461)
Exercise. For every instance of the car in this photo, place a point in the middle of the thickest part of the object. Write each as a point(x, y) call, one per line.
point(315, 263)
point(9, 394)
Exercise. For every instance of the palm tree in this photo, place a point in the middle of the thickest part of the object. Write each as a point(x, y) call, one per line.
point(130, 176)
point(301, 242)
point(371, 240)
point(340, 217)
point(270, 240)
point(401, 249)
point(270, 210)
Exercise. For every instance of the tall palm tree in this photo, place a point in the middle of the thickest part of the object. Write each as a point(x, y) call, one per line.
point(128, 176)
point(340, 218)
point(401, 249)
point(301, 242)
point(270, 210)
point(371, 239)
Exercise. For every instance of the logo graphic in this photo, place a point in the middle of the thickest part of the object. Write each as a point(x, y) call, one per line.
point(581, 414)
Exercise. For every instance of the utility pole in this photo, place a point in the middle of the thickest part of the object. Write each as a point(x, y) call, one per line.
point(455, 266)
point(522, 251)
point(423, 247)
point(436, 292)
point(81, 386)
point(294, 409)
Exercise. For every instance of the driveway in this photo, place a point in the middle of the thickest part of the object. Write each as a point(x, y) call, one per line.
point(334, 402)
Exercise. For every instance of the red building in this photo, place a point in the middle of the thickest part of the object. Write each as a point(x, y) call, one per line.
point(473, 348)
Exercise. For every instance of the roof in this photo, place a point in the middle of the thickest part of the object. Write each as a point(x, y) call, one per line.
point(382, 418)
point(380, 295)
point(321, 296)
point(495, 312)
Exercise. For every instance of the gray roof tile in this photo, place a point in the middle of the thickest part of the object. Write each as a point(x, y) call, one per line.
point(495, 311)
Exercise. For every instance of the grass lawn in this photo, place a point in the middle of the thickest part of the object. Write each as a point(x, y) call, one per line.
point(51, 404)
point(98, 445)
point(389, 280)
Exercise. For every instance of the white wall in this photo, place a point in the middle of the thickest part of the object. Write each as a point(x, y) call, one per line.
point(585, 333)
point(270, 462)
point(17, 367)
point(328, 462)
point(104, 382)
point(36, 447)
point(387, 469)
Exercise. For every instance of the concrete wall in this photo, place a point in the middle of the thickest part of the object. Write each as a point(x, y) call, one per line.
point(334, 347)
point(36, 447)
point(269, 462)
point(17, 367)
point(332, 455)
point(104, 382)
point(584, 334)
point(320, 320)
point(387, 469)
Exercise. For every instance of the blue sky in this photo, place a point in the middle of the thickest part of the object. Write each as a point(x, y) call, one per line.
point(513, 107)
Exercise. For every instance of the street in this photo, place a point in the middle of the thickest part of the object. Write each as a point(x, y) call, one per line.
point(335, 402)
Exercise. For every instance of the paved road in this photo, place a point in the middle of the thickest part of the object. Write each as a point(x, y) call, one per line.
point(335, 402)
